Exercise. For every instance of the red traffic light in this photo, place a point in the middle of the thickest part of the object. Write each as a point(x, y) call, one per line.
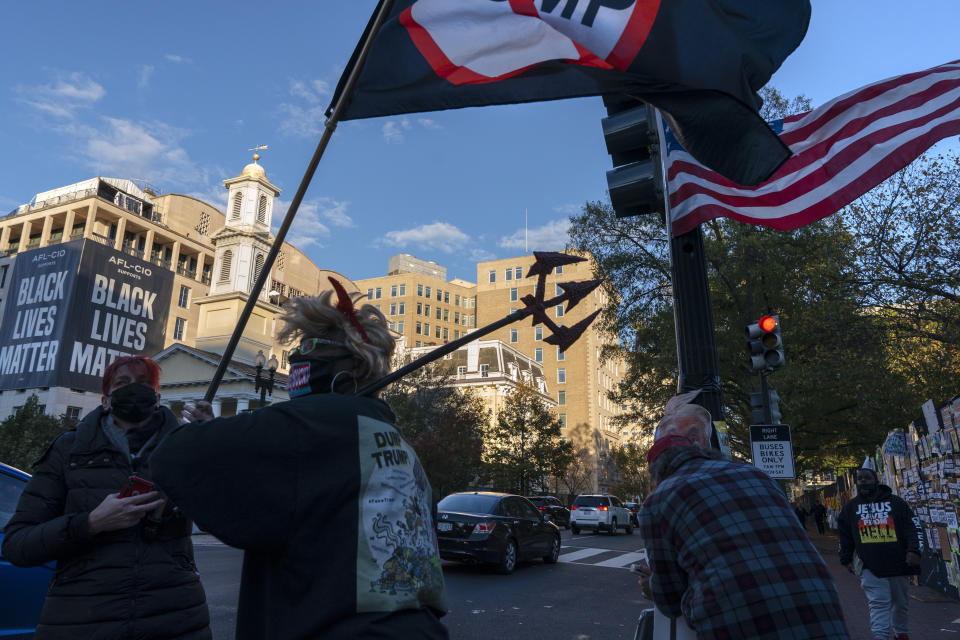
point(767, 323)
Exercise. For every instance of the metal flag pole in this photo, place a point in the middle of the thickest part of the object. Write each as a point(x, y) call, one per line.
point(536, 306)
point(329, 127)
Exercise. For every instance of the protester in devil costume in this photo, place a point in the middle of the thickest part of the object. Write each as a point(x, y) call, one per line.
point(322, 492)
point(881, 540)
point(725, 549)
point(124, 564)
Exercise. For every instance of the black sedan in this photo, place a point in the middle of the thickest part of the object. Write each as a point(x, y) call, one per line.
point(550, 506)
point(494, 528)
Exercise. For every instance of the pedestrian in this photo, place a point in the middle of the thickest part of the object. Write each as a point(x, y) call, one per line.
point(124, 565)
point(327, 499)
point(820, 517)
point(724, 547)
point(801, 515)
point(881, 540)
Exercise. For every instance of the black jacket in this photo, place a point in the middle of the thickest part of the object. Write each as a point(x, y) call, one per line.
point(121, 584)
point(881, 530)
point(332, 508)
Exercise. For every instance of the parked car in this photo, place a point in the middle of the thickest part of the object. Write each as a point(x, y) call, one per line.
point(495, 528)
point(550, 506)
point(634, 508)
point(22, 591)
point(599, 512)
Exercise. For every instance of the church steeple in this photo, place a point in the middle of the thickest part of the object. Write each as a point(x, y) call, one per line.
point(250, 201)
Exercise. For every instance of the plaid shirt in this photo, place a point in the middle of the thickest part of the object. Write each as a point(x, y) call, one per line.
point(729, 555)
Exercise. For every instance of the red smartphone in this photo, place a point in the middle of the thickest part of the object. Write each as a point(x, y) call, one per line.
point(134, 486)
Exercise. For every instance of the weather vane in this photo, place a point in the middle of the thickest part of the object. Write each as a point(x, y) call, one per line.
point(259, 147)
point(536, 306)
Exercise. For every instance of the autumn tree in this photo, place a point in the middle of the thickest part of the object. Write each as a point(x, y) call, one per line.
point(26, 433)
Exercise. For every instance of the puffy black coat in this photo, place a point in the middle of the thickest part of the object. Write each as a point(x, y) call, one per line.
point(122, 584)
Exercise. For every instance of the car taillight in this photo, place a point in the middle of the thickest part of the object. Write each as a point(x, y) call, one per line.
point(541, 508)
point(603, 508)
point(484, 527)
point(573, 507)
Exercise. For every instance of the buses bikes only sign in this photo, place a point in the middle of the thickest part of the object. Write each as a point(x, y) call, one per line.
point(772, 449)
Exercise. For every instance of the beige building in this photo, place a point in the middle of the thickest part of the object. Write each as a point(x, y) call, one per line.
point(424, 309)
point(578, 380)
point(215, 258)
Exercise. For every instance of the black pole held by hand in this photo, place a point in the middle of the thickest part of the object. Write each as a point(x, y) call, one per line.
point(561, 336)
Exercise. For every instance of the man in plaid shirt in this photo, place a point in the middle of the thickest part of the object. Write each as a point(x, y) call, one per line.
point(726, 550)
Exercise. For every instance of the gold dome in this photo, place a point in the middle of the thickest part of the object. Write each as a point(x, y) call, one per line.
point(253, 169)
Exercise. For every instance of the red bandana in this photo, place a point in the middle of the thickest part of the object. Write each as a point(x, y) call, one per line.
point(665, 443)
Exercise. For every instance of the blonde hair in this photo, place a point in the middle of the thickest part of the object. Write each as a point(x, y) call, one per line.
point(317, 317)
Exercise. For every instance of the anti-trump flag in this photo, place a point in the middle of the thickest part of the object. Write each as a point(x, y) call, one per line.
point(840, 151)
point(700, 62)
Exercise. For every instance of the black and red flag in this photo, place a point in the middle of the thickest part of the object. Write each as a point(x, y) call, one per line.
point(700, 62)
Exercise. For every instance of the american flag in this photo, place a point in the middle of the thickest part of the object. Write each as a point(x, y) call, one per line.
point(841, 150)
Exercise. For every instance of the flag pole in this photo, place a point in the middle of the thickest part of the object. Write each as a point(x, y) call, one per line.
point(329, 127)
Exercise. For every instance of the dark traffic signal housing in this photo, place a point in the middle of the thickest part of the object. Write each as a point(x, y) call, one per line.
point(765, 345)
point(630, 133)
point(759, 404)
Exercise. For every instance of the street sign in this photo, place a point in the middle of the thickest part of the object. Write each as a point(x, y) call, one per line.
point(772, 449)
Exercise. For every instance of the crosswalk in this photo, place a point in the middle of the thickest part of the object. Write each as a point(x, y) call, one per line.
point(601, 557)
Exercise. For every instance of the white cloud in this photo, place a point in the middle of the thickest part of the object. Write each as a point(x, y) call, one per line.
point(569, 209)
point(335, 212)
point(307, 228)
point(427, 123)
point(143, 80)
point(140, 150)
point(313, 91)
point(172, 57)
point(481, 255)
point(394, 131)
point(305, 120)
point(441, 236)
point(68, 93)
point(551, 236)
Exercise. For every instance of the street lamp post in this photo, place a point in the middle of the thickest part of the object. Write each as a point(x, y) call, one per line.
point(265, 384)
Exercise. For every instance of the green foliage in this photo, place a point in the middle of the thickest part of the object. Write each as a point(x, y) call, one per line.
point(525, 448)
point(631, 464)
point(27, 433)
point(444, 425)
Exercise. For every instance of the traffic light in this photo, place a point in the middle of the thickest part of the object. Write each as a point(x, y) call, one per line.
point(765, 345)
point(756, 404)
point(630, 133)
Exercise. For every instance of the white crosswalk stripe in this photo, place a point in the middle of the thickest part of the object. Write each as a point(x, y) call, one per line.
point(583, 555)
point(573, 556)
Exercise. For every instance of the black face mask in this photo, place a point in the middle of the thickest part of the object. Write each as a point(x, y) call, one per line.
point(313, 375)
point(134, 402)
point(866, 489)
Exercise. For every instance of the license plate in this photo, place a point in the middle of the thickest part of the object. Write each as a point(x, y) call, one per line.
point(444, 526)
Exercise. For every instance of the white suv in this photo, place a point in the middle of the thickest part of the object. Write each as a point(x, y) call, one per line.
point(599, 512)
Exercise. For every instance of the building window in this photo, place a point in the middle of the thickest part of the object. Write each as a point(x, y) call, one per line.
point(400, 327)
point(456, 300)
point(561, 374)
point(179, 327)
point(225, 266)
point(514, 335)
point(420, 290)
point(493, 275)
point(426, 310)
point(393, 308)
point(562, 419)
point(508, 274)
point(446, 297)
point(439, 295)
point(437, 330)
point(461, 372)
point(484, 371)
point(237, 205)
point(281, 261)
point(557, 290)
point(262, 210)
point(559, 310)
point(561, 355)
point(538, 354)
point(403, 290)
point(517, 273)
point(426, 329)
point(456, 334)
point(403, 306)
point(73, 413)
point(184, 298)
point(456, 317)
point(514, 294)
point(257, 267)
point(538, 333)
point(419, 308)
point(561, 398)
point(446, 315)
point(379, 292)
point(439, 313)
point(284, 359)
point(419, 329)
point(393, 291)
point(426, 292)
point(559, 269)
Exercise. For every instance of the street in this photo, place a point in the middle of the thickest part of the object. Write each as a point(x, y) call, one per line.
point(588, 595)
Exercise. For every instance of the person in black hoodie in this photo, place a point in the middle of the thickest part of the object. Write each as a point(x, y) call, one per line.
point(329, 502)
point(125, 566)
point(881, 531)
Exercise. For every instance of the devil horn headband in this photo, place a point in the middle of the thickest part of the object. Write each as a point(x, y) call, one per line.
point(345, 306)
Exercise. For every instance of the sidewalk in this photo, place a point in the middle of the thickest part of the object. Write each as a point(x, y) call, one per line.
point(933, 616)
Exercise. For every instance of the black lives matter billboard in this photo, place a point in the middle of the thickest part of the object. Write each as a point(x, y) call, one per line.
point(72, 309)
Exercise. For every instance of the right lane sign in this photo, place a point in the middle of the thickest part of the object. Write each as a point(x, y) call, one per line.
point(772, 449)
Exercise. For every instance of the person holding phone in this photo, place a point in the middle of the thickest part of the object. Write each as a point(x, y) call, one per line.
point(327, 499)
point(124, 557)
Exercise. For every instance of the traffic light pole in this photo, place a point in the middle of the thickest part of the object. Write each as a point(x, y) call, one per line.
point(692, 310)
point(765, 390)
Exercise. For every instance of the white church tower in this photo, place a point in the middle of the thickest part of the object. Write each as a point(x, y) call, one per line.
point(243, 243)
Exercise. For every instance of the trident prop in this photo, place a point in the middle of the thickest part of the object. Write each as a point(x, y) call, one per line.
point(536, 306)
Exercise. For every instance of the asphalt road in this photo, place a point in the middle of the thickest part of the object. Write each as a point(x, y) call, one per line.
point(588, 595)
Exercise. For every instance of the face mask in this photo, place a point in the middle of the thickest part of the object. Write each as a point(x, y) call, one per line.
point(134, 402)
point(312, 375)
point(866, 489)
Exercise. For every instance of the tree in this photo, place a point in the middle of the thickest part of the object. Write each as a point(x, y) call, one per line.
point(525, 447)
point(631, 462)
point(26, 434)
point(443, 424)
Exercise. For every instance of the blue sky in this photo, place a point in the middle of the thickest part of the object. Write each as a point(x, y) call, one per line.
point(176, 92)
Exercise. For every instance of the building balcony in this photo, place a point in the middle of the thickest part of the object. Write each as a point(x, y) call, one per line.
point(104, 240)
point(188, 273)
point(132, 250)
point(205, 279)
